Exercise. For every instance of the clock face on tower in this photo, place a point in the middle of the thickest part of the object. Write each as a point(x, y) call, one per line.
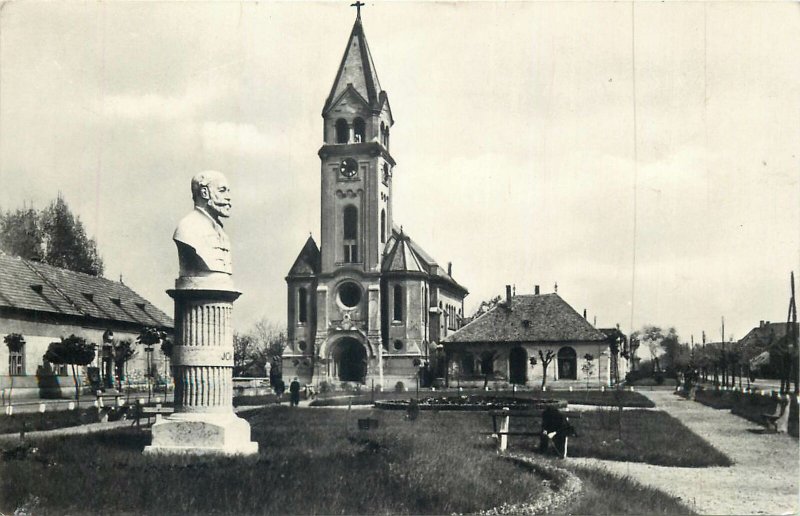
point(349, 167)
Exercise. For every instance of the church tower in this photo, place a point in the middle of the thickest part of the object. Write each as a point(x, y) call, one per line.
point(339, 294)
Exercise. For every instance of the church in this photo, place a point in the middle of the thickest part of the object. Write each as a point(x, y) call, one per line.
point(367, 305)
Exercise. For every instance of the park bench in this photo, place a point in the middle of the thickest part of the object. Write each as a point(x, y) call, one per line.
point(501, 423)
point(141, 412)
point(778, 421)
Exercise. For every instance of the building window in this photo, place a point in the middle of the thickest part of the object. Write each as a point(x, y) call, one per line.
point(349, 294)
point(398, 345)
point(567, 364)
point(383, 134)
point(467, 365)
point(301, 345)
point(386, 144)
point(398, 303)
point(359, 130)
point(350, 234)
point(302, 306)
point(16, 362)
point(342, 131)
point(487, 363)
point(383, 226)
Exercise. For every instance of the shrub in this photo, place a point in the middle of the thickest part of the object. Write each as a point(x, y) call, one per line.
point(399, 387)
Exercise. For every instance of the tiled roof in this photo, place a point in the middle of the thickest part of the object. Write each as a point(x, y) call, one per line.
point(402, 254)
point(533, 318)
point(308, 261)
point(358, 70)
point(27, 285)
point(761, 336)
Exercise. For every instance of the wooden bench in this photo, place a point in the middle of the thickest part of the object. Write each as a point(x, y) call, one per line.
point(778, 421)
point(501, 431)
point(157, 411)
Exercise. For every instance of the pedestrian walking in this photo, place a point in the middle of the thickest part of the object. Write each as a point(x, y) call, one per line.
point(294, 392)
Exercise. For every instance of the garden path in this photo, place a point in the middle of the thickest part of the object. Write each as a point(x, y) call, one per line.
point(763, 479)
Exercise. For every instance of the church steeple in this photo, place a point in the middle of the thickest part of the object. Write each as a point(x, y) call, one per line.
point(357, 70)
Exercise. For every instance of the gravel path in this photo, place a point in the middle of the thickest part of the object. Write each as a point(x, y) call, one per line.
point(763, 479)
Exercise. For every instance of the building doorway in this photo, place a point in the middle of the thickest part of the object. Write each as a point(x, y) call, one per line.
point(518, 366)
point(567, 364)
point(350, 358)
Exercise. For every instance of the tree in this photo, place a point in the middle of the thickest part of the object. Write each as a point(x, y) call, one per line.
point(66, 243)
point(52, 235)
point(588, 367)
point(259, 347)
point(545, 359)
point(21, 234)
point(149, 337)
point(270, 342)
point(123, 352)
point(484, 307)
point(73, 351)
point(243, 353)
point(15, 343)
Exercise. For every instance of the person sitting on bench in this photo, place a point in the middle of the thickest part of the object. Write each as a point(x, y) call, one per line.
point(556, 429)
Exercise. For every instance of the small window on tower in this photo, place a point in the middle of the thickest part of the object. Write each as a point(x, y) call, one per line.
point(342, 131)
point(383, 226)
point(398, 303)
point(302, 307)
point(359, 130)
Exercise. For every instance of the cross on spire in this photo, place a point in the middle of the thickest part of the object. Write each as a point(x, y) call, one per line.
point(358, 5)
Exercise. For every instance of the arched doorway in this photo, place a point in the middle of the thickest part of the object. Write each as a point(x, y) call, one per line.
point(350, 357)
point(518, 366)
point(567, 364)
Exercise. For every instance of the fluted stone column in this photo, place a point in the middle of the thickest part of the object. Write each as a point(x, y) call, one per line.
point(202, 358)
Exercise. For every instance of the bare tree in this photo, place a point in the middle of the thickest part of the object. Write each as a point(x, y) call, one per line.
point(545, 358)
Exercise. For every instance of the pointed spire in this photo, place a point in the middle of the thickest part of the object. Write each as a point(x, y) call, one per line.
point(357, 69)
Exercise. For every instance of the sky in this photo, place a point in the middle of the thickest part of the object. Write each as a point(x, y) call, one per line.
point(643, 156)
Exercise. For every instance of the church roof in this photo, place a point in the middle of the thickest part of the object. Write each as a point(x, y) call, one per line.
point(308, 261)
point(358, 71)
point(531, 318)
point(402, 254)
point(33, 286)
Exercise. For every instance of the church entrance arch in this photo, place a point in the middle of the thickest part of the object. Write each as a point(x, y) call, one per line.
point(518, 366)
point(350, 358)
point(567, 364)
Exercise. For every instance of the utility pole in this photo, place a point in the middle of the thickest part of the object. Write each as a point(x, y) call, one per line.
point(724, 361)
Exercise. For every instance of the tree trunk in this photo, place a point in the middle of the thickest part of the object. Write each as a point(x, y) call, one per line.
point(544, 375)
point(77, 387)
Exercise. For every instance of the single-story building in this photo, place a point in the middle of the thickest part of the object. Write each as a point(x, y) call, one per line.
point(497, 347)
point(43, 303)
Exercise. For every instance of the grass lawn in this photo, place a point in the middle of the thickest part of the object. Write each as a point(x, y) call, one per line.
point(264, 399)
point(607, 493)
point(310, 462)
point(583, 397)
point(652, 437)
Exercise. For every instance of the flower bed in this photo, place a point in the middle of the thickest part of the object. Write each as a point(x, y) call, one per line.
point(473, 402)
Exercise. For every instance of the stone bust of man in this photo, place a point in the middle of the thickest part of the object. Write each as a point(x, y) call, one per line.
point(203, 245)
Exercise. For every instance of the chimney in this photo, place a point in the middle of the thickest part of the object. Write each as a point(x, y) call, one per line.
point(508, 295)
point(584, 313)
point(761, 324)
point(449, 268)
point(536, 290)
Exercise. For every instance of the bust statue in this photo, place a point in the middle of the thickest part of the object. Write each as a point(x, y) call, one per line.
point(203, 246)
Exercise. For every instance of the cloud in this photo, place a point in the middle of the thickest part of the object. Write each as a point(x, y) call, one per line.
point(237, 138)
point(153, 106)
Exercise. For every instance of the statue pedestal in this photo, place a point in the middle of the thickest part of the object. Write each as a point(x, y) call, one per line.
point(202, 364)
